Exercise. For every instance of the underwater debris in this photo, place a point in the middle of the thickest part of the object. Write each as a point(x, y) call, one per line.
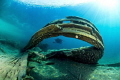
point(49, 63)
point(39, 50)
point(71, 29)
point(85, 55)
point(58, 40)
point(28, 78)
point(110, 65)
point(36, 57)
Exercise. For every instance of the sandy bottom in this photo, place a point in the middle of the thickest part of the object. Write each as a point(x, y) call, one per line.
point(65, 69)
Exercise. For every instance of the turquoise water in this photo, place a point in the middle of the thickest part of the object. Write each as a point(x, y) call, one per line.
point(26, 19)
point(19, 21)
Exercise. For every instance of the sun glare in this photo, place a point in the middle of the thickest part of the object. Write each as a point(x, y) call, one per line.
point(55, 3)
point(109, 4)
point(108, 10)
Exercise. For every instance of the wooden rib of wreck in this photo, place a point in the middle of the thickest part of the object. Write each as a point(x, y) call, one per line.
point(75, 30)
